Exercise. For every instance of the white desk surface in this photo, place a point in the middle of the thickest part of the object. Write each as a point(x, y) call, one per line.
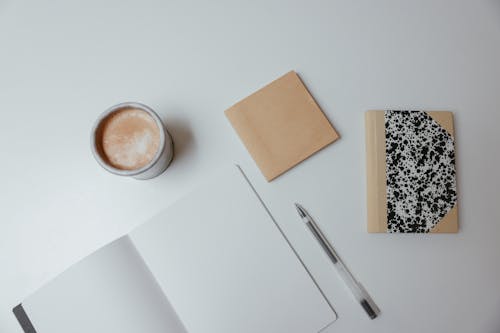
point(63, 62)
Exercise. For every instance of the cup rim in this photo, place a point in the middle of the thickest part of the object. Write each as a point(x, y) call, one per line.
point(114, 109)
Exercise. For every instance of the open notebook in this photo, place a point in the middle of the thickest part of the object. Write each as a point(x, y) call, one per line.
point(214, 262)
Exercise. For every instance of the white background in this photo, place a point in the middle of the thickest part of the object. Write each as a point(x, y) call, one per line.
point(64, 62)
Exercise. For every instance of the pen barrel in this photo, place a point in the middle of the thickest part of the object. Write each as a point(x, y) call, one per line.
point(350, 281)
point(357, 290)
point(344, 273)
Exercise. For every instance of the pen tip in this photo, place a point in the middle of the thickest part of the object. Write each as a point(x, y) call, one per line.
point(301, 211)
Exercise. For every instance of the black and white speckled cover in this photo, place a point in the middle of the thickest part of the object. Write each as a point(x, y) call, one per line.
point(420, 171)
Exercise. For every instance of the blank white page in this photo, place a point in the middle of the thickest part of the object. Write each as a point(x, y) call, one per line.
point(110, 291)
point(226, 268)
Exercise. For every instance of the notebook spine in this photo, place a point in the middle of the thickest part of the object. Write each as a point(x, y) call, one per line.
point(375, 172)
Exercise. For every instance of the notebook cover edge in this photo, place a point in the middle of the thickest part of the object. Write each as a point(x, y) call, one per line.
point(23, 319)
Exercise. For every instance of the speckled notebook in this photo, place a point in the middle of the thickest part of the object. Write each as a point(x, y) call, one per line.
point(411, 178)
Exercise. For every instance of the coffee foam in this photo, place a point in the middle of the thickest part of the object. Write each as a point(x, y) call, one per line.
point(130, 139)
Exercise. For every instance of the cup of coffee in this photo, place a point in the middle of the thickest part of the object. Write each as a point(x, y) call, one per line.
point(129, 139)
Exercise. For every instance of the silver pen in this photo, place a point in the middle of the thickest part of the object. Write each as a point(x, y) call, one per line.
point(357, 289)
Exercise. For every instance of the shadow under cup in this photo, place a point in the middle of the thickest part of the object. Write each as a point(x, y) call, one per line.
point(126, 132)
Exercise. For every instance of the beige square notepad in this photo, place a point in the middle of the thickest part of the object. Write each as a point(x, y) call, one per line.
point(281, 125)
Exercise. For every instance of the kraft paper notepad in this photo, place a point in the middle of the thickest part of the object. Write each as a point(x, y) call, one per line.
point(411, 178)
point(281, 125)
